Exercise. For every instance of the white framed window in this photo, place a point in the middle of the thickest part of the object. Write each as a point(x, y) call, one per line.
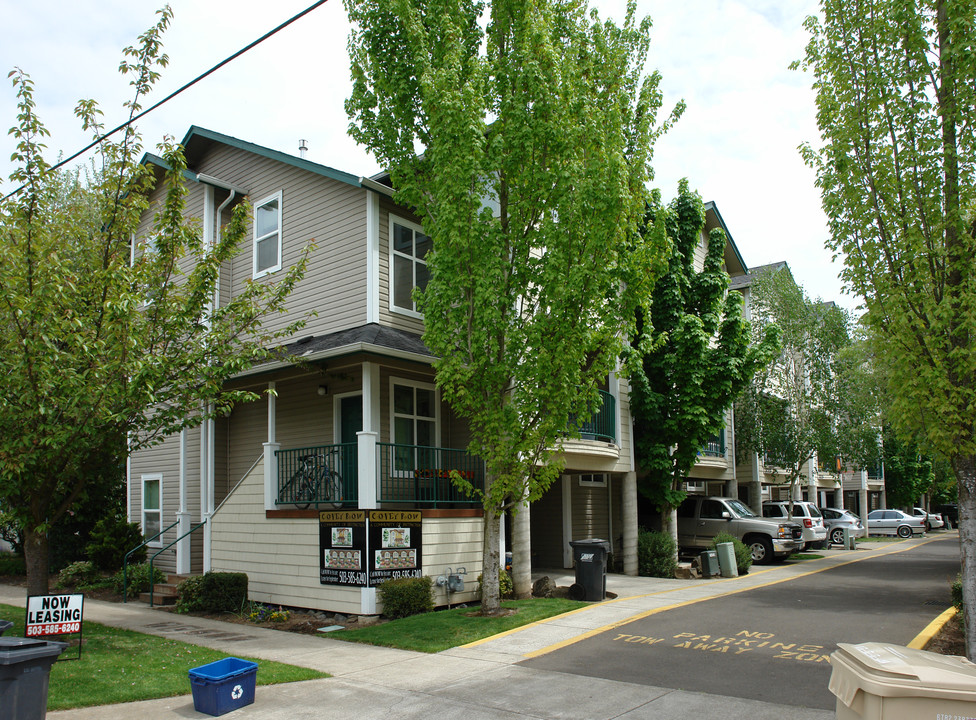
point(152, 507)
point(267, 235)
point(414, 421)
point(408, 265)
point(593, 480)
point(697, 486)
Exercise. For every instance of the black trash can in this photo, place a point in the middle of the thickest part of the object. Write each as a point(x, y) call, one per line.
point(590, 558)
point(25, 666)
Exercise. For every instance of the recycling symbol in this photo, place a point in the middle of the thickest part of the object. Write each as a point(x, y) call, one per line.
point(237, 692)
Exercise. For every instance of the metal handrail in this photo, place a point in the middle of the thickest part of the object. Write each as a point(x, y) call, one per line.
point(152, 581)
point(125, 560)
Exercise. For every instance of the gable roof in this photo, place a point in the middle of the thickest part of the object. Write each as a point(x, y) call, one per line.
point(734, 264)
point(745, 281)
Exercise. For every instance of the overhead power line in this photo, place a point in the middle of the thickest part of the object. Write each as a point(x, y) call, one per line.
point(173, 94)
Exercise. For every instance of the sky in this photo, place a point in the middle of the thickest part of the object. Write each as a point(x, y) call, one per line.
point(737, 142)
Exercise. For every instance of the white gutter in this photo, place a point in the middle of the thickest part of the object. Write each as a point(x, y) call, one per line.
point(378, 187)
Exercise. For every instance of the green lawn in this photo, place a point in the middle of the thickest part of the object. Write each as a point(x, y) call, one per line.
point(122, 666)
point(443, 629)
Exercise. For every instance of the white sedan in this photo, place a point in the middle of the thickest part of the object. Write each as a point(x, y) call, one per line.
point(894, 522)
point(931, 520)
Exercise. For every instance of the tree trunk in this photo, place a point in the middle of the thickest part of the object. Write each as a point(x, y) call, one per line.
point(522, 551)
point(669, 524)
point(36, 559)
point(490, 601)
point(965, 469)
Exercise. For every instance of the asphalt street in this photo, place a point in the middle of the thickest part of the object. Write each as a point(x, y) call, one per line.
point(772, 643)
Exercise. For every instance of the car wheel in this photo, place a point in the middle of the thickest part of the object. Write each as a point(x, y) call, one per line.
point(762, 551)
point(904, 531)
point(837, 536)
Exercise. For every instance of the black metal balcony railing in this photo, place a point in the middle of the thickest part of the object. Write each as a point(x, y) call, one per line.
point(715, 447)
point(324, 474)
point(603, 424)
point(422, 475)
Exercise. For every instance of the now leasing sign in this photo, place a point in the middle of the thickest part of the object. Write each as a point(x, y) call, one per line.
point(54, 614)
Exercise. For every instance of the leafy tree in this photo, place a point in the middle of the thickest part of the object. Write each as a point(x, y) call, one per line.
point(698, 357)
point(896, 107)
point(95, 348)
point(524, 146)
point(815, 398)
point(908, 473)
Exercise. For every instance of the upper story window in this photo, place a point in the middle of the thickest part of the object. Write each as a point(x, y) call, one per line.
point(408, 267)
point(267, 235)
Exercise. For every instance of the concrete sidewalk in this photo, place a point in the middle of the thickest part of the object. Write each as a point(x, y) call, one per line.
point(480, 680)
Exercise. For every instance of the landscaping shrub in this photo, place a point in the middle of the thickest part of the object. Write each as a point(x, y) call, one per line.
point(213, 592)
point(109, 541)
point(955, 592)
point(407, 596)
point(12, 565)
point(138, 579)
point(656, 554)
point(81, 572)
point(506, 588)
point(743, 555)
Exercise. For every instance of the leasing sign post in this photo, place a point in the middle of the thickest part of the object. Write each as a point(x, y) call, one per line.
point(55, 615)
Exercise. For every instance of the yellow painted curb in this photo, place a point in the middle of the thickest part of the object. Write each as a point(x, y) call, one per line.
point(933, 628)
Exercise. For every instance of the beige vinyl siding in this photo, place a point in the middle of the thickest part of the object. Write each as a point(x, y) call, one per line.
point(281, 556)
point(388, 316)
point(625, 441)
point(330, 213)
point(164, 459)
point(701, 252)
point(453, 543)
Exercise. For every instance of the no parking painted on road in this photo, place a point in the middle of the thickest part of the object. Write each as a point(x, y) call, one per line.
point(742, 642)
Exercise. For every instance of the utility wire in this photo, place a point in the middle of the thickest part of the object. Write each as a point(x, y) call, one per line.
point(173, 94)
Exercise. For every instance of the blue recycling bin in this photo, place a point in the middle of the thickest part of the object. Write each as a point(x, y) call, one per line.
point(224, 685)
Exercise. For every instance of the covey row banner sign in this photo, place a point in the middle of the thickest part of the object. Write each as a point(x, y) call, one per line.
point(54, 614)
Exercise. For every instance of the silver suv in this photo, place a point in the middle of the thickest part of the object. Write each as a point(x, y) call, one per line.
point(805, 513)
point(701, 518)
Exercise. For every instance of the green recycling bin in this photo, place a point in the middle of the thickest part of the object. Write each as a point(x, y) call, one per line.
point(25, 666)
point(590, 559)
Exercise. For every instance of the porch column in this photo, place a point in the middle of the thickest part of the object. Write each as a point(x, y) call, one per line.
point(270, 458)
point(863, 494)
point(368, 482)
point(567, 498)
point(755, 487)
point(522, 550)
point(628, 504)
point(183, 516)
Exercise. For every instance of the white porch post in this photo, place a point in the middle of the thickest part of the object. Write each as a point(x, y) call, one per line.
point(628, 501)
point(205, 482)
point(863, 492)
point(369, 476)
point(183, 516)
point(270, 458)
point(567, 498)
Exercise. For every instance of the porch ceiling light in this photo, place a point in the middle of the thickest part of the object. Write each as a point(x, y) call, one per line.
point(323, 390)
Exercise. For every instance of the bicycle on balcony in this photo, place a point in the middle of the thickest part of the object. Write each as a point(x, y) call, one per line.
point(315, 482)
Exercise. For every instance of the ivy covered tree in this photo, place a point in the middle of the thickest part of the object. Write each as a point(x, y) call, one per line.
point(98, 351)
point(896, 108)
point(697, 356)
point(524, 145)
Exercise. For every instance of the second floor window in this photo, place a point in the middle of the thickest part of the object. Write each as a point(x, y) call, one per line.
point(267, 235)
point(408, 266)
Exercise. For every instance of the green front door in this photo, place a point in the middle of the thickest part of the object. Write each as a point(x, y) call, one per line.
point(350, 423)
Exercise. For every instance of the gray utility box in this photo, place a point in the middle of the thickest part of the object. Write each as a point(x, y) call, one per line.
point(709, 563)
point(590, 558)
point(874, 680)
point(25, 666)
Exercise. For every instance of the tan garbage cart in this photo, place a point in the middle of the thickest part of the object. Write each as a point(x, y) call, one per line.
point(876, 680)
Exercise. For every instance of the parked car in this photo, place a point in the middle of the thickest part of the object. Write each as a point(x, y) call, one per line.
point(805, 513)
point(701, 518)
point(950, 511)
point(836, 520)
point(931, 520)
point(894, 522)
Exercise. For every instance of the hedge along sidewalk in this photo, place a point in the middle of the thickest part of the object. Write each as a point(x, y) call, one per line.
point(119, 665)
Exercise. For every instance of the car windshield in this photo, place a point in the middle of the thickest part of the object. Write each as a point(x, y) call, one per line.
point(740, 508)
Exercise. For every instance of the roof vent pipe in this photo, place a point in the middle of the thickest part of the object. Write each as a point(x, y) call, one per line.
point(302, 148)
